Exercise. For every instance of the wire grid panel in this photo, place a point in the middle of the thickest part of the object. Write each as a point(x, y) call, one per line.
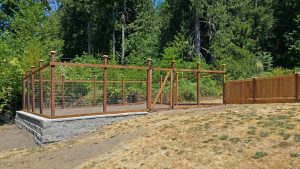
point(163, 99)
point(185, 91)
point(37, 97)
point(211, 88)
point(126, 90)
point(78, 90)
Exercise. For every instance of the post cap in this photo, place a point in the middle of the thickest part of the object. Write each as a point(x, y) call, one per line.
point(254, 77)
point(149, 59)
point(223, 64)
point(94, 75)
point(40, 60)
point(173, 61)
point(105, 56)
point(32, 67)
point(123, 76)
point(52, 52)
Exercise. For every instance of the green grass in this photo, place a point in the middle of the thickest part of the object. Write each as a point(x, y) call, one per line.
point(223, 137)
point(259, 154)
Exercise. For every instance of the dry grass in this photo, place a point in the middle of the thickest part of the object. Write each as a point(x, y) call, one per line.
point(250, 136)
point(237, 136)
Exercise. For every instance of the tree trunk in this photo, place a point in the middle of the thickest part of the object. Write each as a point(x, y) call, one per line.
point(114, 33)
point(123, 34)
point(89, 37)
point(198, 37)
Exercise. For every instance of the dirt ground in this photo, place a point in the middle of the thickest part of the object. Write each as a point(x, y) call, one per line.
point(232, 136)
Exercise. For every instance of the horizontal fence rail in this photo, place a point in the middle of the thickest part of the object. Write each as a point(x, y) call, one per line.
point(60, 89)
point(280, 89)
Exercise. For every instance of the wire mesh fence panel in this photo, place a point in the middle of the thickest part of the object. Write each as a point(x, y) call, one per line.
point(211, 88)
point(126, 90)
point(37, 98)
point(62, 89)
point(160, 89)
point(78, 90)
point(185, 88)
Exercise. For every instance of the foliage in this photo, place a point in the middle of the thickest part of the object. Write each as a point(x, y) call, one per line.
point(29, 37)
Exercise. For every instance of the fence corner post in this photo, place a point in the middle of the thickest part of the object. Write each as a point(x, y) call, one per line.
point(297, 86)
point(24, 93)
point(41, 87)
point(254, 89)
point(223, 81)
point(32, 89)
point(105, 77)
point(28, 89)
point(172, 85)
point(198, 84)
point(52, 83)
point(149, 83)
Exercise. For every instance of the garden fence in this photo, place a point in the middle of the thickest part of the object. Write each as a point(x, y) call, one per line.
point(67, 89)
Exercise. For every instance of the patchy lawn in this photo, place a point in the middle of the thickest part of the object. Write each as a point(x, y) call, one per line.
point(233, 136)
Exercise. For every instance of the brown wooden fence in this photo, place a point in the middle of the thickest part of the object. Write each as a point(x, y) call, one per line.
point(65, 89)
point(280, 89)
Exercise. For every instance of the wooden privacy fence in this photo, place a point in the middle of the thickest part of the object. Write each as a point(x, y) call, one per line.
point(67, 89)
point(280, 89)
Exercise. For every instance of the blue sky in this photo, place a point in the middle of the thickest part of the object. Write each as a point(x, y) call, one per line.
point(54, 5)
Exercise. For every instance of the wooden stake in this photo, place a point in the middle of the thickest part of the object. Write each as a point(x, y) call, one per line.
point(198, 84)
point(32, 89)
point(177, 88)
point(52, 83)
point(123, 91)
point(105, 77)
point(94, 101)
point(149, 83)
point(172, 86)
point(28, 89)
point(24, 93)
point(41, 87)
point(296, 86)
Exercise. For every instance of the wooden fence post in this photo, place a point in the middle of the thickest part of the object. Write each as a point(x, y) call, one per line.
point(24, 93)
point(123, 90)
point(297, 86)
point(52, 83)
point(172, 85)
point(105, 76)
point(41, 87)
point(94, 100)
point(160, 85)
point(149, 83)
point(254, 89)
point(63, 91)
point(32, 89)
point(223, 81)
point(28, 89)
point(198, 84)
point(177, 88)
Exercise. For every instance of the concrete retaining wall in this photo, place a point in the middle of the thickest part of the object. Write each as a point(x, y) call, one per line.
point(52, 130)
